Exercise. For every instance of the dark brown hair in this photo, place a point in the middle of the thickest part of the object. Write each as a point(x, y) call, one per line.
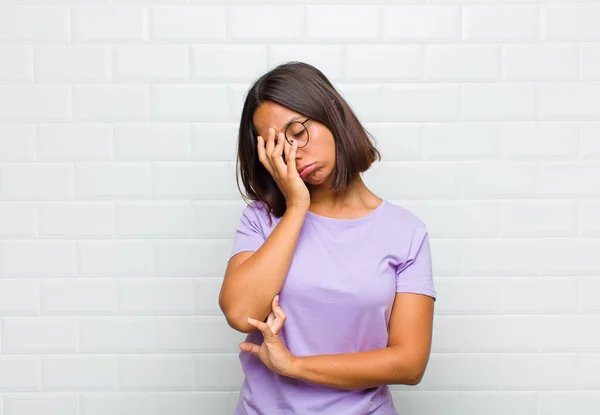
point(303, 88)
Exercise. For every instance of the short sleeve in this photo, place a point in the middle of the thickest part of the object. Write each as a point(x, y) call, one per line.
point(415, 275)
point(248, 235)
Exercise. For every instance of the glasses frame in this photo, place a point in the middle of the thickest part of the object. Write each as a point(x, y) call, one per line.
point(305, 127)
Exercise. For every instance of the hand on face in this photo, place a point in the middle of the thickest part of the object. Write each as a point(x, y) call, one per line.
point(285, 173)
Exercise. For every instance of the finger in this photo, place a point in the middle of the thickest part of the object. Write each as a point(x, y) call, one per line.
point(271, 318)
point(262, 155)
point(264, 329)
point(269, 148)
point(279, 145)
point(249, 347)
point(286, 150)
point(291, 160)
point(275, 326)
point(280, 316)
point(276, 159)
point(277, 310)
point(270, 142)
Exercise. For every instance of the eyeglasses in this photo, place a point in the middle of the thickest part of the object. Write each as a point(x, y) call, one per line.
point(297, 131)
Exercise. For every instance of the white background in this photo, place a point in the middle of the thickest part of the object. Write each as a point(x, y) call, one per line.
point(118, 201)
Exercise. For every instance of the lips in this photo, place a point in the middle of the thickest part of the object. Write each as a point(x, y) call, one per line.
point(301, 169)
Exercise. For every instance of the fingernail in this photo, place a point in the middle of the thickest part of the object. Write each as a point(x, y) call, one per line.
point(277, 298)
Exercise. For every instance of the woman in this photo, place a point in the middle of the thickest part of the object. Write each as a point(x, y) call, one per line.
point(351, 270)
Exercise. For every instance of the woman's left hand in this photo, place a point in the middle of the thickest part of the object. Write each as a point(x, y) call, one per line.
point(272, 352)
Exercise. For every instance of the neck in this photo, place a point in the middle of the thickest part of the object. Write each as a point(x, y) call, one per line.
point(356, 193)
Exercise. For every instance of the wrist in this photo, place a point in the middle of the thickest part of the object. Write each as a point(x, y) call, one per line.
point(295, 367)
point(297, 209)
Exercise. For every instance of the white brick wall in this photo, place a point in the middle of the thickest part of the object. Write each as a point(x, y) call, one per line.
point(118, 202)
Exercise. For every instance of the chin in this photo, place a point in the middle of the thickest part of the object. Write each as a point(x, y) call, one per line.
point(316, 181)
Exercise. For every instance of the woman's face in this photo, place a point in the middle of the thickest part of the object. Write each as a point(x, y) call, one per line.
point(319, 150)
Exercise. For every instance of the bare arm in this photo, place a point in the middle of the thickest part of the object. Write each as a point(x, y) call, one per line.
point(403, 362)
point(252, 279)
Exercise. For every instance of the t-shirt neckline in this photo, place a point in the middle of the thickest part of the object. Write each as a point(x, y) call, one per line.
point(341, 221)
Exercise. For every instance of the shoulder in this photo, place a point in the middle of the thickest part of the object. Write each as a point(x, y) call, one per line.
point(254, 210)
point(259, 213)
point(407, 231)
point(254, 206)
point(401, 218)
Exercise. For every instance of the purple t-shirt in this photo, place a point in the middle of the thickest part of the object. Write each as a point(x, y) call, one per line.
point(338, 296)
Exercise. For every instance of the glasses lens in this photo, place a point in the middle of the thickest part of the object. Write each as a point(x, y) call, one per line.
point(296, 131)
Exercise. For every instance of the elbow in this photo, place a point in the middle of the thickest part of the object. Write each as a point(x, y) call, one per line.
point(240, 325)
point(412, 366)
point(414, 380)
point(237, 314)
point(415, 376)
point(410, 373)
point(235, 321)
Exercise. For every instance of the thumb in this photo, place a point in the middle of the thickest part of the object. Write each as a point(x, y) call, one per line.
point(249, 347)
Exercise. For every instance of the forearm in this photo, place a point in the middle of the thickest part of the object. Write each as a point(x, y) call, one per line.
point(249, 290)
point(360, 370)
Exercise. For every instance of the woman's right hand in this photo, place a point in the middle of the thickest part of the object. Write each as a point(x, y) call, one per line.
point(285, 173)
